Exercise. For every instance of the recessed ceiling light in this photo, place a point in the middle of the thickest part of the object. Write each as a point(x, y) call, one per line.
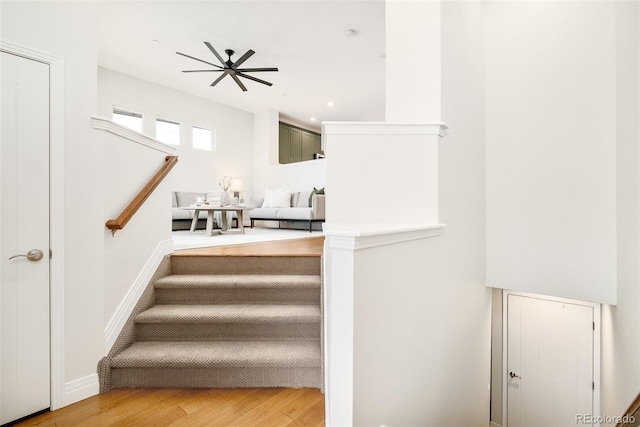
point(330, 104)
point(313, 119)
point(156, 41)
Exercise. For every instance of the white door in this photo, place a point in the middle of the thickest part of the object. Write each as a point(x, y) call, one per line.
point(24, 229)
point(549, 362)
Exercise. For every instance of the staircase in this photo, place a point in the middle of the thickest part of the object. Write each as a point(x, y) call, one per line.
point(223, 322)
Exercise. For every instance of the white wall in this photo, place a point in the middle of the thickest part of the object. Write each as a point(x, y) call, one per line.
point(621, 323)
point(268, 173)
point(551, 148)
point(68, 29)
point(382, 173)
point(128, 168)
point(413, 79)
point(197, 170)
point(421, 326)
point(496, 356)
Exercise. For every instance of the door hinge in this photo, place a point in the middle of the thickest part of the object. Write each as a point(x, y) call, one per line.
point(594, 326)
point(593, 386)
point(50, 254)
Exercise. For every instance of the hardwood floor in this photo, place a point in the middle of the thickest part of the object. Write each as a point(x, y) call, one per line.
point(312, 246)
point(262, 407)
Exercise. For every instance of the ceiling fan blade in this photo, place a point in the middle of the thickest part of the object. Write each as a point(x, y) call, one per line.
point(218, 79)
point(244, 89)
point(201, 60)
point(246, 76)
point(243, 70)
point(202, 71)
point(242, 59)
point(215, 53)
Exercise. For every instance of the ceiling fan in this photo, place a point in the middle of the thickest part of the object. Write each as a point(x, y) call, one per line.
point(230, 68)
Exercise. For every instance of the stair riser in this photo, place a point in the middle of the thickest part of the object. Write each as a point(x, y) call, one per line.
point(237, 296)
point(216, 377)
point(245, 265)
point(227, 332)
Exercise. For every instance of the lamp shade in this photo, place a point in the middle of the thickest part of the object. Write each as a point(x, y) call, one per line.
point(236, 185)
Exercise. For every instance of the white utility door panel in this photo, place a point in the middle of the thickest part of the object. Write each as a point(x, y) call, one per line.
point(24, 228)
point(549, 362)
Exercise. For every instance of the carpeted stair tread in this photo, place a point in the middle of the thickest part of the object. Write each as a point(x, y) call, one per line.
point(237, 313)
point(258, 265)
point(228, 354)
point(223, 322)
point(204, 281)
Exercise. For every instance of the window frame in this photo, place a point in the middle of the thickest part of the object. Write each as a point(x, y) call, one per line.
point(212, 140)
point(126, 112)
point(173, 122)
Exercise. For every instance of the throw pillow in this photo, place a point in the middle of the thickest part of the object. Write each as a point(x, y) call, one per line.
point(315, 191)
point(280, 198)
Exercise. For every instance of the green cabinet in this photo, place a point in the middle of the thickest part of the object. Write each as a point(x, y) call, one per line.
point(296, 144)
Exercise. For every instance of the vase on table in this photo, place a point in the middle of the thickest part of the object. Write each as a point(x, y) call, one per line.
point(225, 200)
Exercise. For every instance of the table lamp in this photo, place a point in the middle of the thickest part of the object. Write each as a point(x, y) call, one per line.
point(236, 187)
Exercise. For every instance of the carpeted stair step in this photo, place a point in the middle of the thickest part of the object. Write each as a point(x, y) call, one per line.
point(228, 322)
point(238, 289)
point(262, 265)
point(223, 322)
point(218, 364)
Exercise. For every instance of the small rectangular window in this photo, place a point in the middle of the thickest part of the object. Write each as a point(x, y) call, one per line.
point(168, 131)
point(203, 139)
point(128, 119)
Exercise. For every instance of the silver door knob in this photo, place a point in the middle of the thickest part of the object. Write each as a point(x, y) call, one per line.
point(514, 375)
point(32, 255)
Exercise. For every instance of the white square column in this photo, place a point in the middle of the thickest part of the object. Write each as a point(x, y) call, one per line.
point(413, 61)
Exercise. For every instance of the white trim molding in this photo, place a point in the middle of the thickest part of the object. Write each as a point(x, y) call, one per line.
point(128, 303)
point(56, 212)
point(130, 134)
point(383, 128)
point(81, 388)
point(356, 237)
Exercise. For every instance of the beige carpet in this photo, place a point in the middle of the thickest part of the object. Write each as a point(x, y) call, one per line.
point(223, 322)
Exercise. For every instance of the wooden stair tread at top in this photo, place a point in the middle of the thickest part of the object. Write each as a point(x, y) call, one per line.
point(206, 354)
point(305, 247)
point(195, 281)
point(230, 313)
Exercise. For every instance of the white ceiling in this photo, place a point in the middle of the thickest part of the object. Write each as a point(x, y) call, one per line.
point(306, 40)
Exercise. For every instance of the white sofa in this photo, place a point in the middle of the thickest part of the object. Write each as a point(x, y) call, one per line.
point(305, 206)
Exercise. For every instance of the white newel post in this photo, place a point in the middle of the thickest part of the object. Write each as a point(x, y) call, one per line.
point(382, 183)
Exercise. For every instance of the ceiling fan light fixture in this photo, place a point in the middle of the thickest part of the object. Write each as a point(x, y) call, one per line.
point(230, 67)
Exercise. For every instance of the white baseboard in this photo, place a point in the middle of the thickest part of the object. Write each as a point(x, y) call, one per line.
point(80, 389)
point(494, 424)
point(128, 303)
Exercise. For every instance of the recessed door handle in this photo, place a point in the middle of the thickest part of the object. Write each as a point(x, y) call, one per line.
point(514, 375)
point(32, 255)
